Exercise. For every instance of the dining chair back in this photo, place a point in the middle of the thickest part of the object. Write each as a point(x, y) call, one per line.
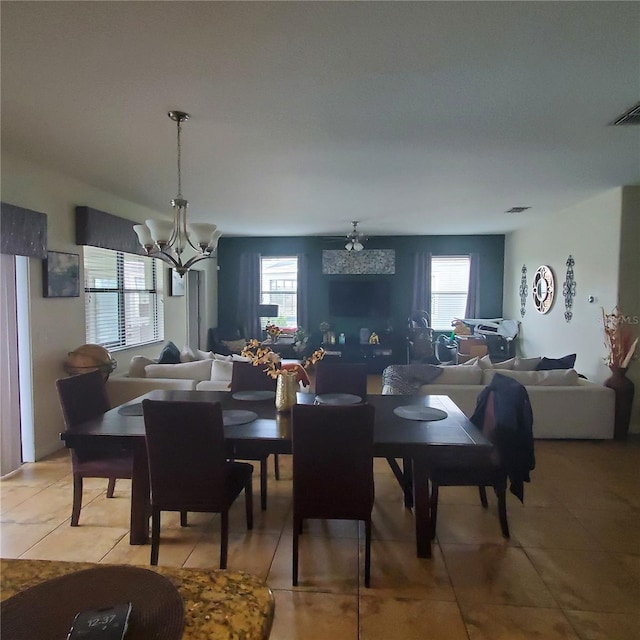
point(340, 377)
point(82, 398)
point(332, 468)
point(503, 414)
point(188, 467)
point(246, 377)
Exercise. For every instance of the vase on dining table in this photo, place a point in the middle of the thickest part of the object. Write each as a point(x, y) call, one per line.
point(286, 390)
point(624, 391)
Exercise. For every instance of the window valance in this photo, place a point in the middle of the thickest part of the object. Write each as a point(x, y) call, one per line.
point(23, 232)
point(99, 229)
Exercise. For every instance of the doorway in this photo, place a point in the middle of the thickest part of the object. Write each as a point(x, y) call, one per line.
point(195, 304)
point(16, 416)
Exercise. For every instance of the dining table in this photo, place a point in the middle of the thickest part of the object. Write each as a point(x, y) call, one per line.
point(421, 431)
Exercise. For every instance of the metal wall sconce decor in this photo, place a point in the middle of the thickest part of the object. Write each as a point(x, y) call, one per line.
point(569, 289)
point(544, 289)
point(523, 290)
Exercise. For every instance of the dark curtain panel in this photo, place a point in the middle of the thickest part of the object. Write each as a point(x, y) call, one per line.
point(249, 294)
point(421, 300)
point(473, 298)
point(303, 292)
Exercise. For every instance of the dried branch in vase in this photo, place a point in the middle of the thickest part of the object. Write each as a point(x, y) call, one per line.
point(263, 355)
point(618, 339)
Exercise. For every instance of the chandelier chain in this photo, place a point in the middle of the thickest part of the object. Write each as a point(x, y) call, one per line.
point(179, 161)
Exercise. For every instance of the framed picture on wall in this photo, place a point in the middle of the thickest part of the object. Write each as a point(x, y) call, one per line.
point(61, 275)
point(176, 283)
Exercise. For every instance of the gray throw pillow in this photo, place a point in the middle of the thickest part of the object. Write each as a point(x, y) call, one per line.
point(170, 354)
point(566, 362)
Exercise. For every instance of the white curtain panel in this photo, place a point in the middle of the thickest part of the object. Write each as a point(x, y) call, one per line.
point(10, 441)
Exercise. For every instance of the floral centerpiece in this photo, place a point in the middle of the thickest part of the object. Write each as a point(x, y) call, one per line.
point(261, 355)
point(274, 331)
point(618, 339)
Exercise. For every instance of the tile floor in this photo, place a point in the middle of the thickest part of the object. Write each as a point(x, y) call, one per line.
point(570, 570)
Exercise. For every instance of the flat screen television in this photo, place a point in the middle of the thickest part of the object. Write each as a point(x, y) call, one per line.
point(360, 298)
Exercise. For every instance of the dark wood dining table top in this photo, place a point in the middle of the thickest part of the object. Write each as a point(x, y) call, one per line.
point(392, 434)
point(420, 443)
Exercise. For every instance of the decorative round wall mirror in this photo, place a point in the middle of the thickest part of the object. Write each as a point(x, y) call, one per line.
point(543, 289)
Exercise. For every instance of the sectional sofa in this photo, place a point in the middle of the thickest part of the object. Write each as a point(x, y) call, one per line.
point(564, 404)
point(144, 375)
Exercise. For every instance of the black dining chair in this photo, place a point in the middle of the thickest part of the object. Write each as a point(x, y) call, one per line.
point(188, 466)
point(82, 398)
point(332, 469)
point(503, 414)
point(246, 377)
point(338, 377)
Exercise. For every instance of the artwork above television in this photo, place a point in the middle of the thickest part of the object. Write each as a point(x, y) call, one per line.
point(359, 298)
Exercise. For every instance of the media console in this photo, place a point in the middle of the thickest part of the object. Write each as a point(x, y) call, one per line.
point(376, 356)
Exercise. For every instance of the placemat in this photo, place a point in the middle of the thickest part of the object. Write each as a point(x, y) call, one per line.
point(237, 416)
point(46, 611)
point(416, 412)
point(338, 398)
point(131, 409)
point(258, 394)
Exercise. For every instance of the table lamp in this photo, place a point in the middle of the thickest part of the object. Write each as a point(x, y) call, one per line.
point(267, 311)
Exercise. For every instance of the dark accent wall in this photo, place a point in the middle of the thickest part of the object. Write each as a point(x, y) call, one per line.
point(490, 248)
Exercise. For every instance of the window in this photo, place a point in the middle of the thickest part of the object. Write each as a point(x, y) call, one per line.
point(122, 303)
point(449, 289)
point(279, 285)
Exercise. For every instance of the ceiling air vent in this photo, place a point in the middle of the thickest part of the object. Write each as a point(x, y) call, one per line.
point(631, 116)
point(517, 209)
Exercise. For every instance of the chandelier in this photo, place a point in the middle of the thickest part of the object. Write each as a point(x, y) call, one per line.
point(354, 239)
point(168, 240)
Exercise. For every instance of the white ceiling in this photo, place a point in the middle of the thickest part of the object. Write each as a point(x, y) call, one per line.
point(412, 117)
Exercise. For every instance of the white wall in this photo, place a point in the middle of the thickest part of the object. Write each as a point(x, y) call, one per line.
point(58, 324)
point(591, 233)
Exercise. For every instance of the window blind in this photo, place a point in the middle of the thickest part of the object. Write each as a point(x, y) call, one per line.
point(449, 289)
point(123, 305)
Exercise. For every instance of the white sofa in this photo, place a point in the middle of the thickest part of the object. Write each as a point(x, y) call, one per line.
point(208, 374)
point(564, 405)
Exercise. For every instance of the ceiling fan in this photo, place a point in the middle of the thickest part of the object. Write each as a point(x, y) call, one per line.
point(355, 238)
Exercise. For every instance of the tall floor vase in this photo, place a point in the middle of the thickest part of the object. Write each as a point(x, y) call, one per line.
point(624, 390)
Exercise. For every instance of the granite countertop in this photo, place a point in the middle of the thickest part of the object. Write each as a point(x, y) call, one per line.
point(218, 604)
